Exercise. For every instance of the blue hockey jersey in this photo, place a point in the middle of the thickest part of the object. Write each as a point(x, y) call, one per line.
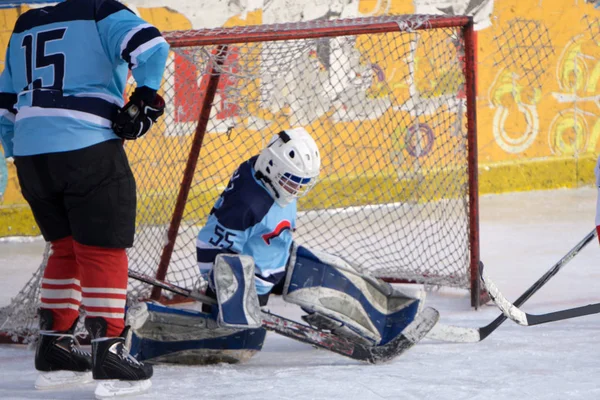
point(247, 220)
point(65, 73)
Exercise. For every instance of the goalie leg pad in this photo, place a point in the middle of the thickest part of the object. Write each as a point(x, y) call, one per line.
point(327, 284)
point(161, 334)
point(236, 291)
point(324, 322)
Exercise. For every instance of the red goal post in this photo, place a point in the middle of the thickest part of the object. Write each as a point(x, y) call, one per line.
point(389, 100)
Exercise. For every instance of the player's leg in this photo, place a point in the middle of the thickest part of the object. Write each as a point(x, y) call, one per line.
point(57, 351)
point(339, 299)
point(57, 348)
point(101, 201)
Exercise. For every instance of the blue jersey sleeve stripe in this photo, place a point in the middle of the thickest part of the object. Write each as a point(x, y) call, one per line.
point(149, 47)
point(8, 101)
point(130, 34)
point(139, 38)
point(109, 7)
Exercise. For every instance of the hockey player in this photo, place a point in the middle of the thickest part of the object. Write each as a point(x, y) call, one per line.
point(255, 216)
point(63, 120)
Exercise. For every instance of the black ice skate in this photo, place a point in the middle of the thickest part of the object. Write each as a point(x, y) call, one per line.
point(58, 357)
point(120, 372)
point(113, 361)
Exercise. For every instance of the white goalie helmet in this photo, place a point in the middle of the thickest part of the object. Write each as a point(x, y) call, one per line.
point(289, 165)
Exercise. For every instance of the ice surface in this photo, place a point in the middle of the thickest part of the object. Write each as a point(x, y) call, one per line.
point(522, 236)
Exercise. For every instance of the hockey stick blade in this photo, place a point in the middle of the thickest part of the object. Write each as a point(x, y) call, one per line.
point(525, 319)
point(458, 334)
point(411, 335)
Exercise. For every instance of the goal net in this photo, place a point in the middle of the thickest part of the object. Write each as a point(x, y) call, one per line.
point(389, 100)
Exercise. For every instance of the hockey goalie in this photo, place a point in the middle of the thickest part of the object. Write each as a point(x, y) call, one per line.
point(246, 252)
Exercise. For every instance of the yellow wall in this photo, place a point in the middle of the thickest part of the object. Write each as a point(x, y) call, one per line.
point(538, 97)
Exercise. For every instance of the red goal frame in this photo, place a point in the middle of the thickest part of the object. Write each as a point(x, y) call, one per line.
point(223, 37)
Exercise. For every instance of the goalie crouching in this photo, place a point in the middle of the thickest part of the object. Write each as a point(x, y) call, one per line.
point(246, 251)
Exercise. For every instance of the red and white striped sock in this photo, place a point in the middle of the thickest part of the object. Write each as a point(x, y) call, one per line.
point(104, 284)
point(61, 288)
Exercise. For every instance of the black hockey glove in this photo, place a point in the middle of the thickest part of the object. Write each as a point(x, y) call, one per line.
point(137, 116)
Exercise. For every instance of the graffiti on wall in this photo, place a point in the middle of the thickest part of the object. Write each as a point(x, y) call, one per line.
point(576, 127)
point(531, 93)
point(304, 80)
point(332, 76)
point(433, 94)
point(522, 56)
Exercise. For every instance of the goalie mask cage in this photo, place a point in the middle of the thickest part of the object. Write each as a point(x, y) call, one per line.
point(389, 100)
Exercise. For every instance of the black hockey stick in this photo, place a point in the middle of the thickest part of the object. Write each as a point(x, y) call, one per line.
point(522, 318)
point(451, 333)
point(411, 335)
